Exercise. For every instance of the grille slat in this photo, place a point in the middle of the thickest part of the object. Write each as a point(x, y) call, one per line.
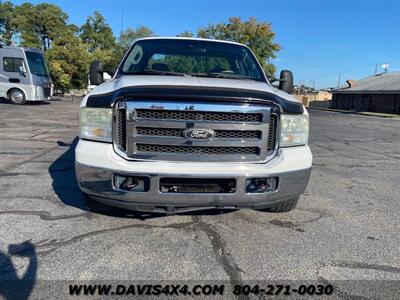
point(198, 115)
point(198, 150)
point(121, 128)
point(272, 132)
point(176, 132)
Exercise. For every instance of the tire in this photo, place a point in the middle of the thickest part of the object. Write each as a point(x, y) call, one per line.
point(16, 96)
point(284, 207)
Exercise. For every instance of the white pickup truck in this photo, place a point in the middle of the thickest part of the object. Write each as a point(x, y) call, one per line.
point(187, 124)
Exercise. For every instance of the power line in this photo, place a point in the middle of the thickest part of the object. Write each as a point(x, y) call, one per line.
point(354, 69)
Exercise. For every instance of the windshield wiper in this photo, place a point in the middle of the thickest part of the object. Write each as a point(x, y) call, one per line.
point(222, 75)
point(158, 72)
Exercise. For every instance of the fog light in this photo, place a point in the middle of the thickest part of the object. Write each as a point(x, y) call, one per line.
point(131, 183)
point(261, 185)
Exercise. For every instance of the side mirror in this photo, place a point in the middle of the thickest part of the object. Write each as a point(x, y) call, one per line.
point(286, 81)
point(22, 70)
point(96, 73)
point(111, 71)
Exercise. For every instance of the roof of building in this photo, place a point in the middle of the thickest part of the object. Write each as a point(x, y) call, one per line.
point(380, 83)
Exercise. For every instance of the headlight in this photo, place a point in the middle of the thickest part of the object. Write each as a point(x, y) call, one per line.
point(95, 123)
point(294, 130)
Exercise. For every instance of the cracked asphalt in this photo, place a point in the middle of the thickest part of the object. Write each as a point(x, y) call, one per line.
point(345, 227)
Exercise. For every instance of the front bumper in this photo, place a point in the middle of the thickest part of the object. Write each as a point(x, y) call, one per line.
point(96, 163)
point(37, 93)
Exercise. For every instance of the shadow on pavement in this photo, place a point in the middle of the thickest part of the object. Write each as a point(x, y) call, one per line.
point(65, 185)
point(5, 101)
point(11, 285)
point(62, 171)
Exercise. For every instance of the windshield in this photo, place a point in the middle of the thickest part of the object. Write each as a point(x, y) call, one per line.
point(36, 63)
point(191, 58)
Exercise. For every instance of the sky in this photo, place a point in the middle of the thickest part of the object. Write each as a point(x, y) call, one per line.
point(321, 40)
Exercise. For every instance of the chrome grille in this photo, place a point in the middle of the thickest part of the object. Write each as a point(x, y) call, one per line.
point(198, 150)
point(197, 115)
point(223, 134)
point(153, 130)
point(47, 91)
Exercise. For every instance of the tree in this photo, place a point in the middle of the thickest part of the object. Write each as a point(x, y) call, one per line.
point(68, 60)
point(7, 27)
point(130, 35)
point(39, 24)
point(96, 33)
point(258, 36)
point(185, 33)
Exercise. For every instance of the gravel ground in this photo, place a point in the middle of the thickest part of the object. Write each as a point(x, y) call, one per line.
point(345, 227)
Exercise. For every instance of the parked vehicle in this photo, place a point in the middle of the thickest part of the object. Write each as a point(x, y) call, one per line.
point(23, 75)
point(191, 124)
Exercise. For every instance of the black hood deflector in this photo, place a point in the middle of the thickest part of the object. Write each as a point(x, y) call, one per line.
point(218, 94)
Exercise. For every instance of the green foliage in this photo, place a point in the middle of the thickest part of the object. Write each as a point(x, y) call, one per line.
point(70, 49)
point(97, 34)
point(258, 36)
point(128, 36)
point(99, 39)
point(68, 61)
point(126, 39)
point(185, 33)
point(7, 26)
point(39, 24)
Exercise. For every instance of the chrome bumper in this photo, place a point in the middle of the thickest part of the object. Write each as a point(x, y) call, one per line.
point(98, 182)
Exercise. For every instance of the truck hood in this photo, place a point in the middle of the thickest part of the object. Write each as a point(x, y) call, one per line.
point(195, 88)
point(188, 81)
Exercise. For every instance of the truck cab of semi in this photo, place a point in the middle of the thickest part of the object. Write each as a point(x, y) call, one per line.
point(23, 75)
point(187, 124)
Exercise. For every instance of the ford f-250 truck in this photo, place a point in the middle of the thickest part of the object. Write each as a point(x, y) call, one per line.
point(189, 124)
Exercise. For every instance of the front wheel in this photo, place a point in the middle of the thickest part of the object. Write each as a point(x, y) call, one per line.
point(16, 96)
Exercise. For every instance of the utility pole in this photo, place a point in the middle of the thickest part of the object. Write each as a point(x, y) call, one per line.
point(340, 75)
point(122, 17)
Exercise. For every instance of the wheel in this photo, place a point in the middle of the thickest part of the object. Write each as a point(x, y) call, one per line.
point(95, 206)
point(16, 96)
point(284, 207)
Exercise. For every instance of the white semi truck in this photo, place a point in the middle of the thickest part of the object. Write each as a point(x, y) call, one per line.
point(23, 75)
point(187, 124)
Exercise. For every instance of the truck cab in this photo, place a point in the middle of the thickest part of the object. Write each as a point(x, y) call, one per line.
point(187, 124)
point(23, 75)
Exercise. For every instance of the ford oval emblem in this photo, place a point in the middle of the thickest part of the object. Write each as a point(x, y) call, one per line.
point(199, 133)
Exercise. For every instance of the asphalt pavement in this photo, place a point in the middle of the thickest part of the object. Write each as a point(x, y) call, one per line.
point(346, 225)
